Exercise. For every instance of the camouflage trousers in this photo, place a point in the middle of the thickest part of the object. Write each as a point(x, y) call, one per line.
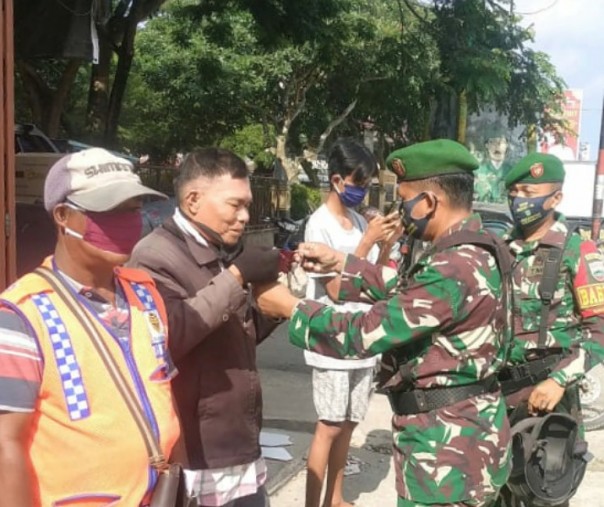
point(569, 404)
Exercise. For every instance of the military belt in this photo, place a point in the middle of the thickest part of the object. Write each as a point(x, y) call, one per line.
point(425, 400)
point(514, 378)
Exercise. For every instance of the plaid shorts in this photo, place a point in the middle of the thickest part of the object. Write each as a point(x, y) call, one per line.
point(342, 395)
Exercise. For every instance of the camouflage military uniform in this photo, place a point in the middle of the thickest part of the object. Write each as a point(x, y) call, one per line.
point(576, 323)
point(488, 183)
point(444, 320)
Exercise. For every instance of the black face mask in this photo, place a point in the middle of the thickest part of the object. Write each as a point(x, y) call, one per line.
point(529, 213)
point(415, 227)
point(226, 253)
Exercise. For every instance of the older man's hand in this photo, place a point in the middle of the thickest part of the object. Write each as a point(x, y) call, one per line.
point(545, 396)
point(320, 258)
point(275, 300)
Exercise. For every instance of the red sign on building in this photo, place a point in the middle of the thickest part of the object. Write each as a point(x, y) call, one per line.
point(571, 112)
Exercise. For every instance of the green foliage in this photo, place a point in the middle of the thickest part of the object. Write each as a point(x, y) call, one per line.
point(253, 142)
point(253, 75)
point(485, 55)
point(304, 200)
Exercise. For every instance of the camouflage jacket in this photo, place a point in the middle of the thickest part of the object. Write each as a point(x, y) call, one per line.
point(576, 318)
point(445, 319)
point(488, 183)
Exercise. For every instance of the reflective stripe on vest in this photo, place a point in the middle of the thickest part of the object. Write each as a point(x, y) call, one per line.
point(71, 376)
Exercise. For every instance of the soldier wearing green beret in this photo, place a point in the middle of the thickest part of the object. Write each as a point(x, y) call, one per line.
point(440, 327)
point(558, 283)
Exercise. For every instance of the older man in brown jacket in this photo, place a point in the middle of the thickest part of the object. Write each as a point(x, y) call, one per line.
point(204, 275)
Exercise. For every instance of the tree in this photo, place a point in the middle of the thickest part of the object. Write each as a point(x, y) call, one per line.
point(232, 69)
point(485, 60)
point(47, 85)
point(48, 81)
point(212, 72)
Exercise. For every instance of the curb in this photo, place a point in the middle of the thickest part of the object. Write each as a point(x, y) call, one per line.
point(285, 474)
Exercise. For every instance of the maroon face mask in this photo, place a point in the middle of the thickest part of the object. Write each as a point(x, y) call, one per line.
point(112, 231)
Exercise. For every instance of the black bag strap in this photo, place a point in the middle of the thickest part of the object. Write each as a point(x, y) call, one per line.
point(547, 286)
point(156, 458)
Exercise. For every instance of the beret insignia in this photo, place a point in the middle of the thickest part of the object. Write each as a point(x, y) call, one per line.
point(398, 168)
point(537, 170)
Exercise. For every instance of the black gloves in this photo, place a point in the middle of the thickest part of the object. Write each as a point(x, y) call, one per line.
point(258, 264)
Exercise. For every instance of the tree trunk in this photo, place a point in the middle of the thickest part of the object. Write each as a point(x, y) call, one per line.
point(98, 92)
point(462, 117)
point(531, 138)
point(288, 164)
point(124, 63)
point(47, 104)
point(445, 117)
point(429, 113)
point(35, 93)
point(380, 153)
point(334, 123)
point(55, 109)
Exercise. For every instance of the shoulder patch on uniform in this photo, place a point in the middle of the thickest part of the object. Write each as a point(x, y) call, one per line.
point(591, 297)
point(537, 170)
point(589, 280)
point(595, 264)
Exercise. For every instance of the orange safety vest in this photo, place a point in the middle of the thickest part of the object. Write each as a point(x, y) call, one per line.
point(84, 445)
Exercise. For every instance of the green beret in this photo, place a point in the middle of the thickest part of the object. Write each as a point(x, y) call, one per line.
point(536, 168)
point(431, 158)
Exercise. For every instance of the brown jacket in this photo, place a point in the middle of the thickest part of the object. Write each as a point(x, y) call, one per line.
point(213, 333)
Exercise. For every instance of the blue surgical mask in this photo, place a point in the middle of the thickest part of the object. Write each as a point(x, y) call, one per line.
point(529, 212)
point(415, 227)
point(352, 195)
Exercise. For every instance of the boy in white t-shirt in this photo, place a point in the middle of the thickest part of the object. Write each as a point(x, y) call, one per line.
point(341, 388)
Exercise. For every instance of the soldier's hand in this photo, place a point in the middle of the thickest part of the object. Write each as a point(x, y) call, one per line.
point(320, 258)
point(275, 300)
point(545, 397)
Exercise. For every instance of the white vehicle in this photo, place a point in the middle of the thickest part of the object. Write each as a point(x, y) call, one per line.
point(578, 189)
point(577, 206)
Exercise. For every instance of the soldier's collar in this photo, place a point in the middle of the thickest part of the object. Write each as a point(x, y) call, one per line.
point(555, 237)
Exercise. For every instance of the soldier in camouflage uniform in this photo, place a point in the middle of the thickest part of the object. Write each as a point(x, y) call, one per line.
point(488, 178)
point(445, 324)
point(555, 341)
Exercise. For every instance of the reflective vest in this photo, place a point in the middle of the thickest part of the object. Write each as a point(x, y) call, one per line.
point(84, 445)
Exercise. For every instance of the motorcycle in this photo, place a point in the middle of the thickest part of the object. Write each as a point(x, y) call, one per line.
point(290, 233)
point(592, 399)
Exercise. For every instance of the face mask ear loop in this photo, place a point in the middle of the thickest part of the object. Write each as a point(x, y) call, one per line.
point(432, 212)
point(335, 185)
point(68, 231)
point(72, 233)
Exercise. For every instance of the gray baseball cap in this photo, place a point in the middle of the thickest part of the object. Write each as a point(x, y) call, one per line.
point(95, 180)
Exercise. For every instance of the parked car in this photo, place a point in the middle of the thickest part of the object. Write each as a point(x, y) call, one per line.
point(30, 139)
point(71, 146)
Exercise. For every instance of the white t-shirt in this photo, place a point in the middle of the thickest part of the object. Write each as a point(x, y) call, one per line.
point(324, 227)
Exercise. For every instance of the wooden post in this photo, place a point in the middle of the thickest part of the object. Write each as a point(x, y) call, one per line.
point(7, 147)
point(598, 187)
